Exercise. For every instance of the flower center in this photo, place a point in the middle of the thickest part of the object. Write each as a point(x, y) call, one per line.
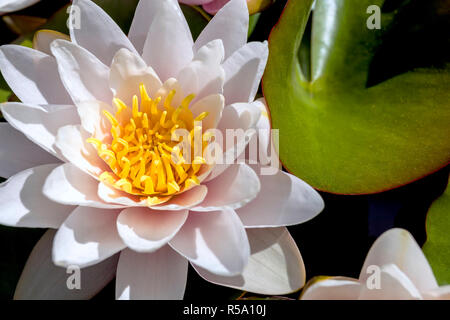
point(142, 155)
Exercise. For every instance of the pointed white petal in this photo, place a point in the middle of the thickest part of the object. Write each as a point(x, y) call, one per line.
point(88, 236)
point(145, 230)
point(230, 25)
point(398, 247)
point(159, 275)
point(32, 75)
point(22, 203)
point(40, 124)
point(243, 72)
point(84, 76)
point(215, 241)
point(144, 16)
point(67, 184)
point(43, 38)
point(275, 266)
point(42, 280)
point(168, 47)
point(128, 71)
point(17, 153)
point(96, 31)
point(283, 200)
point(236, 187)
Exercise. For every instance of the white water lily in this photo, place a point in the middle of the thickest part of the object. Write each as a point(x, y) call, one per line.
point(404, 274)
point(15, 5)
point(86, 153)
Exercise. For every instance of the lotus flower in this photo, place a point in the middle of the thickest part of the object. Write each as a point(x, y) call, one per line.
point(212, 6)
point(14, 5)
point(403, 271)
point(88, 152)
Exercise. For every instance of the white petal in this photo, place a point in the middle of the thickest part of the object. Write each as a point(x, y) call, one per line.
point(145, 230)
point(243, 72)
point(284, 200)
point(15, 5)
point(333, 288)
point(97, 32)
point(204, 75)
point(94, 121)
point(88, 236)
point(40, 124)
point(159, 275)
point(394, 285)
point(84, 76)
point(397, 246)
point(128, 71)
point(185, 200)
point(238, 119)
point(275, 265)
point(32, 75)
point(71, 141)
point(17, 153)
point(441, 293)
point(144, 16)
point(213, 105)
point(22, 203)
point(42, 280)
point(236, 187)
point(69, 185)
point(43, 38)
point(230, 25)
point(215, 241)
point(168, 47)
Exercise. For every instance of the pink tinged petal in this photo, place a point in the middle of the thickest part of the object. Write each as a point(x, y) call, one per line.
point(204, 75)
point(243, 72)
point(230, 25)
point(267, 154)
point(333, 288)
point(40, 124)
point(17, 153)
point(15, 5)
point(236, 187)
point(213, 105)
point(274, 267)
point(98, 33)
point(32, 75)
point(284, 200)
point(168, 47)
point(43, 38)
point(42, 280)
point(128, 71)
point(67, 184)
point(394, 285)
point(145, 230)
point(22, 203)
point(88, 236)
point(144, 16)
point(71, 141)
point(195, 2)
point(112, 195)
point(215, 5)
point(398, 247)
point(441, 293)
point(215, 241)
point(160, 275)
point(185, 200)
point(84, 76)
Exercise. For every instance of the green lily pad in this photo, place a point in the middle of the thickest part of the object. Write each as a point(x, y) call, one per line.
point(437, 246)
point(360, 122)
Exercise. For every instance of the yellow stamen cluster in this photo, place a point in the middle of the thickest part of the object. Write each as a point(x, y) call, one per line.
point(141, 154)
